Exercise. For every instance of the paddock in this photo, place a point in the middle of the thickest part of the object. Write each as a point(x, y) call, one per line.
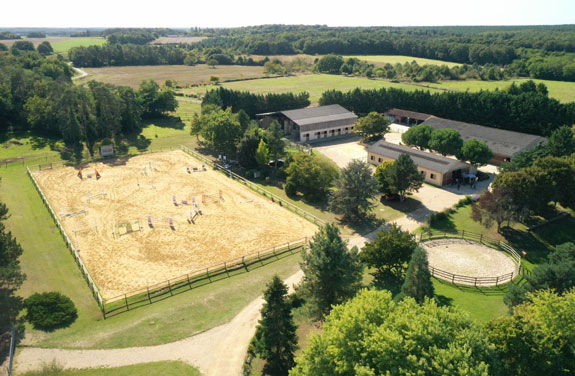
point(468, 262)
point(108, 219)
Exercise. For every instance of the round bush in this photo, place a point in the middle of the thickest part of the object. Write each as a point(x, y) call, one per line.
point(50, 310)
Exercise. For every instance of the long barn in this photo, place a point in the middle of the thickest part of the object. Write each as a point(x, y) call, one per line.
point(314, 123)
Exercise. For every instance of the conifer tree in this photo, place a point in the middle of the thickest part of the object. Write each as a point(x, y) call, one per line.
point(276, 340)
point(417, 282)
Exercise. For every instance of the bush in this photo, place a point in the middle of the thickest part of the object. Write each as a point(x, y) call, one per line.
point(50, 310)
point(464, 202)
point(290, 189)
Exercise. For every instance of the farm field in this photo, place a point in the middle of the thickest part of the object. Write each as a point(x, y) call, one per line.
point(60, 44)
point(314, 84)
point(184, 75)
point(394, 59)
point(120, 248)
point(169, 40)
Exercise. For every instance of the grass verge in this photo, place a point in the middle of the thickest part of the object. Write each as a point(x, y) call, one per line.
point(173, 368)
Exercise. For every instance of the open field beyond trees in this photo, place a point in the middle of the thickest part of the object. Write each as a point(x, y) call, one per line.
point(395, 59)
point(183, 75)
point(124, 251)
point(60, 44)
point(316, 84)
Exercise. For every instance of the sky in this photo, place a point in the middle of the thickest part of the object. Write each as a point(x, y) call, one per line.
point(233, 13)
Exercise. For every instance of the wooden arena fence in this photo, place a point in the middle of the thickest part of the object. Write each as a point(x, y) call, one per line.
point(274, 198)
point(160, 291)
point(464, 280)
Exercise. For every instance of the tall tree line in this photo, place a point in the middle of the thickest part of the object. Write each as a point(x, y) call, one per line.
point(526, 108)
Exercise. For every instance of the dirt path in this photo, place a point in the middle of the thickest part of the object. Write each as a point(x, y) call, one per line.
point(218, 351)
point(82, 73)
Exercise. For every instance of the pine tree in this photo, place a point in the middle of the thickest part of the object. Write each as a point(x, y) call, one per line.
point(332, 274)
point(276, 340)
point(417, 282)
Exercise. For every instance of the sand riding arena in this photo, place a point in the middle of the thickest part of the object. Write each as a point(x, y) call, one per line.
point(144, 219)
point(466, 262)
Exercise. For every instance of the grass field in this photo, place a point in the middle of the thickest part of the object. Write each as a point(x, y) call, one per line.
point(155, 368)
point(184, 75)
point(394, 59)
point(65, 45)
point(314, 84)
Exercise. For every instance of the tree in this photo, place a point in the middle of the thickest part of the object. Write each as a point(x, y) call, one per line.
point(417, 282)
point(373, 335)
point(262, 154)
point(445, 141)
point(372, 127)
point(45, 48)
point(496, 206)
point(154, 101)
point(475, 152)
point(404, 176)
point(332, 274)
point(220, 130)
point(389, 251)
point(48, 311)
point(311, 174)
point(247, 147)
point(562, 142)
point(11, 278)
point(329, 64)
point(22, 46)
point(273, 137)
point(355, 189)
point(276, 340)
point(212, 63)
point(382, 174)
point(418, 135)
point(558, 273)
point(538, 338)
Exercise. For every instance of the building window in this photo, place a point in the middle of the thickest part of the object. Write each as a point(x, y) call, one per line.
point(432, 176)
point(346, 128)
point(324, 132)
point(371, 157)
point(422, 173)
point(352, 128)
point(379, 160)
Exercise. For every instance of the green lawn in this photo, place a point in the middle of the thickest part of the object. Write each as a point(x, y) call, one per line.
point(174, 368)
point(314, 84)
point(65, 45)
point(563, 91)
point(27, 145)
point(394, 59)
point(50, 267)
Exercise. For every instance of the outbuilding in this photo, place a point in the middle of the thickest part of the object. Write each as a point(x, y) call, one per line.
point(314, 123)
point(436, 169)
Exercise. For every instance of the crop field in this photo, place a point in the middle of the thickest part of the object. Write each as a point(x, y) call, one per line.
point(133, 228)
point(184, 75)
point(170, 40)
point(314, 84)
point(394, 59)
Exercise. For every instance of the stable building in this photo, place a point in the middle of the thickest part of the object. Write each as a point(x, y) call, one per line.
point(503, 143)
point(436, 169)
point(314, 123)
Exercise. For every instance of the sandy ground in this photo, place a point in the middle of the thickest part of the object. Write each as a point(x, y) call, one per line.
point(238, 225)
point(218, 351)
point(342, 152)
point(463, 257)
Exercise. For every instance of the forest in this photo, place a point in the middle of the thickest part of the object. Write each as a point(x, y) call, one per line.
point(545, 52)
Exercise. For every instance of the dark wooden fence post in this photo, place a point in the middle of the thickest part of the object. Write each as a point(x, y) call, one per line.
point(170, 288)
point(208, 273)
point(462, 234)
point(148, 290)
point(126, 300)
point(226, 268)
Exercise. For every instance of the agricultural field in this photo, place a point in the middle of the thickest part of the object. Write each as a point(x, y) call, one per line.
point(177, 40)
point(183, 75)
point(395, 59)
point(137, 225)
point(61, 44)
point(314, 84)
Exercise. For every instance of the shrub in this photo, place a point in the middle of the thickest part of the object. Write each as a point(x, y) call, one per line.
point(290, 189)
point(50, 310)
point(464, 202)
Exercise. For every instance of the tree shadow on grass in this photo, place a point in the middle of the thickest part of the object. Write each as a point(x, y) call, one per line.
point(525, 241)
point(482, 290)
point(364, 226)
point(443, 300)
point(173, 122)
point(407, 206)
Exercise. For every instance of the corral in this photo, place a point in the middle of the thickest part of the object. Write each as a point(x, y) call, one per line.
point(132, 228)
